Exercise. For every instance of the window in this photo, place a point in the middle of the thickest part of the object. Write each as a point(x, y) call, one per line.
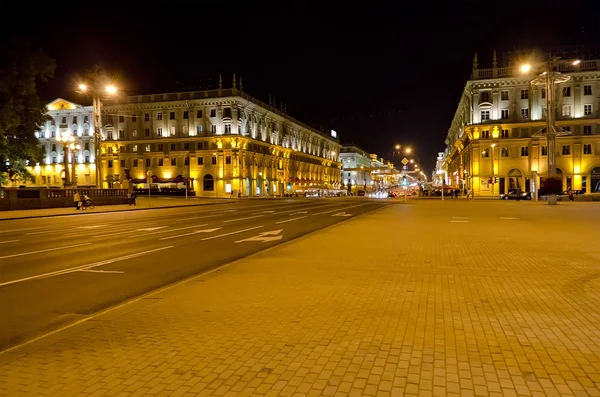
point(160, 162)
point(172, 130)
point(566, 110)
point(53, 159)
point(110, 163)
point(504, 95)
point(173, 161)
point(485, 134)
point(186, 146)
point(64, 120)
point(198, 114)
point(121, 134)
point(587, 90)
point(504, 152)
point(587, 130)
point(544, 150)
point(504, 134)
point(109, 135)
point(208, 183)
point(86, 146)
point(587, 110)
point(587, 149)
point(173, 146)
point(74, 120)
point(148, 162)
point(199, 146)
point(185, 115)
point(566, 150)
point(122, 163)
point(567, 128)
point(213, 112)
point(134, 148)
point(121, 119)
point(524, 94)
point(200, 160)
point(135, 163)
point(134, 133)
point(146, 131)
point(543, 93)
point(214, 129)
point(485, 153)
point(185, 129)
point(134, 118)
point(524, 151)
point(228, 128)
point(505, 114)
point(121, 149)
point(566, 91)
point(86, 119)
point(160, 147)
point(524, 113)
point(159, 131)
point(186, 161)
point(159, 116)
point(227, 112)
point(146, 116)
point(87, 159)
point(54, 147)
point(171, 115)
point(214, 160)
point(198, 130)
point(227, 159)
point(485, 115)
point(147, 149)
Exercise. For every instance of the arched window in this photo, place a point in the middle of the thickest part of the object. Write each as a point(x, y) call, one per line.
point(208, 183)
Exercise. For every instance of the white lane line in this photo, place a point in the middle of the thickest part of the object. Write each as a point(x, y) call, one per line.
point(458, 221)
point(242, 219)
point(229, 234)
point(83, 267)
point(45, 231)
point(90, 227)
point(40, 251)
point(189, 234)
point(151, 229)
point(339, 209)
point(166, 231)
point(9, 241)
point(507, 217)
point(460, 217)
point(291, 220)
point(100, 271)
point(298, 213)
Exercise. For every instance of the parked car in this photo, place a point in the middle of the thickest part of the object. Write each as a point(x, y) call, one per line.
point(392, 194)
point(575, 192)
point(512, 195)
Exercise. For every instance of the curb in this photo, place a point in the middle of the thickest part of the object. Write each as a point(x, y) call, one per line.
point(107, 212)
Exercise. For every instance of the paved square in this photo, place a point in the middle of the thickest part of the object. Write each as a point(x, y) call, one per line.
point(433, 298)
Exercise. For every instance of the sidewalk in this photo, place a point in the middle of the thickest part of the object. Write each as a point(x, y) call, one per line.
point(142, 203)
point(367, 307)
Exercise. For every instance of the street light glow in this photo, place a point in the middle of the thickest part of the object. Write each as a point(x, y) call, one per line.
point(576, 62)
point(111, 89)
point(408, 150)
point(397, 147)
point(82, 87)
point(525, 68)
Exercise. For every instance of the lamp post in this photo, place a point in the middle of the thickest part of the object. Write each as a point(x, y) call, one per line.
point(67, 139)
point(493, 171)
point(74, 149)
point(95, 88)
point(549, 78)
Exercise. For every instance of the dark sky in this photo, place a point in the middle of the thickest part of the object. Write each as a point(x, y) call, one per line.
point(380, 73)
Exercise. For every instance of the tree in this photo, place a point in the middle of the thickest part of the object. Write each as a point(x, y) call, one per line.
point(21, 111)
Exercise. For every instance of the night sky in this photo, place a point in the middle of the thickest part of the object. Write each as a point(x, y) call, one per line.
point(379, 73)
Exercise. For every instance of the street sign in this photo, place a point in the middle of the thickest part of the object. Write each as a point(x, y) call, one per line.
point(405, 161)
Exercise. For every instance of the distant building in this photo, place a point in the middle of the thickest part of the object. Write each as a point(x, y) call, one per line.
point(356, 168)
point(498, 129)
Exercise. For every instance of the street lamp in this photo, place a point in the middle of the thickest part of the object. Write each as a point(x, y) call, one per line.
point(67, 139)
point(549, 78)
point(493, 171)
point(97, 88)
point(74, 148)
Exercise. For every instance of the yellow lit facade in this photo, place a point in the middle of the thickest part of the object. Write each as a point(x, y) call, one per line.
point(222, 141)
point(498, 131)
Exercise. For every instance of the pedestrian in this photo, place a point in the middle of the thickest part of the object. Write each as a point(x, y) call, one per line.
point(571, 195)
point(518, 194)
point(77, 200)
point(133, 197)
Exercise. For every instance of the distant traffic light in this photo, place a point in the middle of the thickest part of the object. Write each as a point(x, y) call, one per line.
point(404, 181)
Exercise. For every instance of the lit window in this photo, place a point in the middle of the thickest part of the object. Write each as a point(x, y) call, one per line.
point(485, 153)
point(159, 131)
point(504, 152)
point(566, 110)
point(587, 110)
point(134, 148)
point(524, 113)
point(172, 130)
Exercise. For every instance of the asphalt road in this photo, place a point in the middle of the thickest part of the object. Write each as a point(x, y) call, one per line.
point(57, 270)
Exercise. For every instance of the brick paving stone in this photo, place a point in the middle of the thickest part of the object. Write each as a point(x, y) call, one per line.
point(400, 302)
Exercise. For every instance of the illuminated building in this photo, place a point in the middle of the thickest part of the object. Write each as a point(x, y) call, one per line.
point(356, 168)
point(498, 130)
point(221, 141)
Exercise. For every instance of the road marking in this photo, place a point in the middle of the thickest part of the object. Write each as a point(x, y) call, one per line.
point(460, 217)
point(265, 236)
point(341, 214)
point(338, 209)
point(458, 221)
point(242, 219)
point(229, 234)
point(40, 251)
point(90, 227)
point(291, 220)
point(221, 212)
point(263, 212)
point(189, 234)
point(195, 217)
point(507, 217)
point(100, 271)
point(45, 231)
point(167, 231)
point(9, 241)
point(151, 229)
point(298, 213)
point(83, 267)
